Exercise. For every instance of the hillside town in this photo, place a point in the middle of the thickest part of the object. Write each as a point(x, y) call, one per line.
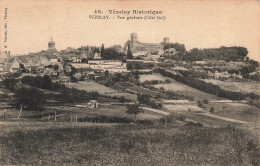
point(154, 86)
point(58, 64)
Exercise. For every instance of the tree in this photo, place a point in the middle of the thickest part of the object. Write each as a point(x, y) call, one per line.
point(46, 83)
point(102, 51)
point(129, 66)
point(143, 98)
point(22, 68)
point(10, 83)
point(242, 51)
point(159, 106)
point(56, 67)
point(177, 46)
point(106, 73)
point(122, 99)
point(199, 104)
point(136, 75)
point(84, 60)
point(129, 54)
point(111, 53)
point(212, 109)
point(205, 101)
point(134, 109)
point(31, 99)
point(73, 79)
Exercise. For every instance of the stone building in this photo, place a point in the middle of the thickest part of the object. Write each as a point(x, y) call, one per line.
point(142, 47)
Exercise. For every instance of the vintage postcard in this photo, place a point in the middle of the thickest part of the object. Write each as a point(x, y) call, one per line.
point(122, 82)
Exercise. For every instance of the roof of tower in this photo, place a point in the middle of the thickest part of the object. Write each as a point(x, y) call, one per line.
point(51, 42)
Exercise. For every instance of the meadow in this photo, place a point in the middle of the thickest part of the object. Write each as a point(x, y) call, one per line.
point(186, 90)
point(38, 143)
point(151, 77)
point(90, 86)
point(244, 87)
point(237, 111)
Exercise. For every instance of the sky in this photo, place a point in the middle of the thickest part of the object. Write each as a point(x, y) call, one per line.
point(195, 23)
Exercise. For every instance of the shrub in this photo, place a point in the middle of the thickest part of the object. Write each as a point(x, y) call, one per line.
point(122, 99)
point(205, 101)
point(212, 110)
point(199, 104)
point(193, 124)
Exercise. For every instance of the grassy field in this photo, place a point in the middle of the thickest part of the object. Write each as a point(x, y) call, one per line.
point(34, 143)
point(151, 77)
point(90, 86)
point(186, 90)
point(64, 113)
point(101, 89)
point(244, 87)
point(130, 87)
point(182, 107)
point(237, 111)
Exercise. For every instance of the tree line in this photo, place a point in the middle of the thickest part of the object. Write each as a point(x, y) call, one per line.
point(111, 53)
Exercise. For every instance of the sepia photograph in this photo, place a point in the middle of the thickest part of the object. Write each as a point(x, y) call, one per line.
point(130, 83)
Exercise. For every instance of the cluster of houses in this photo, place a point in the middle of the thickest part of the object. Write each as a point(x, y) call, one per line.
point(53, 63)
point(57, 63)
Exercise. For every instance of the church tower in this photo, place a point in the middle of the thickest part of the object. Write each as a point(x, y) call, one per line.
point(134, 37)
point(51, 45)
point(166, 40)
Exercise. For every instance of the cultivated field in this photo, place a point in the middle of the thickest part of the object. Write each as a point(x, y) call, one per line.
point(244, 87)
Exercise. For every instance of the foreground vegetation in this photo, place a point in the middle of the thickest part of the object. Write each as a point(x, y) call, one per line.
point(88, 144)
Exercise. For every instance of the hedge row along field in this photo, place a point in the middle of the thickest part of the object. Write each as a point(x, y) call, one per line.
point(207, 87)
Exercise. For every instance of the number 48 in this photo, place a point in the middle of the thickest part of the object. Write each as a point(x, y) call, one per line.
point(97, 11)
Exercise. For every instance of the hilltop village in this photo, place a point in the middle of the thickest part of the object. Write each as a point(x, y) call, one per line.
point(150, 102)
point(225, 63)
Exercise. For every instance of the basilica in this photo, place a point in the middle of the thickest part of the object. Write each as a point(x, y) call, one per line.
point(140, 48)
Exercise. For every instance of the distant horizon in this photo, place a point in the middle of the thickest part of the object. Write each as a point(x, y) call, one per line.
point(196, 24)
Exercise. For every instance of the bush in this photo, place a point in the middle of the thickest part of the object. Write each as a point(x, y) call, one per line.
point(205, 101)
point(143, 98)
point(199, 104)
point(212, 110)
point(122, 99)
point(192, 124)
